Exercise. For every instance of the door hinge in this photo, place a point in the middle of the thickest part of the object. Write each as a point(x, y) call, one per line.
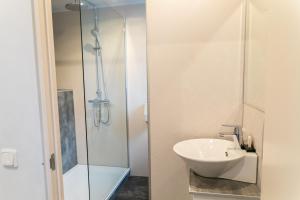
point(52, 162)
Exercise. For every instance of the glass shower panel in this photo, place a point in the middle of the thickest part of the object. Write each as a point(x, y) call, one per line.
point(103, 40)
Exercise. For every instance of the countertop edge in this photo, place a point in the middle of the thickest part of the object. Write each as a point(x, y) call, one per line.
point(199, 185)
point(192, 191)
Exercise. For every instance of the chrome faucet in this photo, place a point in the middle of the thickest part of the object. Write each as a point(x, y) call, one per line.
point(236, 131)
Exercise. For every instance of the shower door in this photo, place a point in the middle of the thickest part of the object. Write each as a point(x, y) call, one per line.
point(103, 50)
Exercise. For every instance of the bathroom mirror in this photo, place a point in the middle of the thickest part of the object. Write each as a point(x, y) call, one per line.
point(255, 54)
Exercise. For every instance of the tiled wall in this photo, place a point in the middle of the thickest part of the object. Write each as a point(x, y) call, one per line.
point(67, 129)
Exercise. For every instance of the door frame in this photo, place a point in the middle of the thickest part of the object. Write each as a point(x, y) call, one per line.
point(45, 59)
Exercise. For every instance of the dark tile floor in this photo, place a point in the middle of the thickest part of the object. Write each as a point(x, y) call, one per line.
point(134, 188)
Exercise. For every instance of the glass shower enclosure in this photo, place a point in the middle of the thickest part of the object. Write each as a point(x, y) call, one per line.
point(104, 69)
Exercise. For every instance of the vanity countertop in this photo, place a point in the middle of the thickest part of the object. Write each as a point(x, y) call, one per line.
point(222, 187)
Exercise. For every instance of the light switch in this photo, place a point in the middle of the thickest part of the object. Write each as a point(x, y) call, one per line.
point(9, 158)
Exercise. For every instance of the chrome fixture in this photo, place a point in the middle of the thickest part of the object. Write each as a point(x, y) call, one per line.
point(75, 6)
point(236, 131)
point(101, 100)
point(79, 4)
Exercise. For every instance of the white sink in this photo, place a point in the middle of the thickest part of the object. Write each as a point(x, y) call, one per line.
point(218, 158)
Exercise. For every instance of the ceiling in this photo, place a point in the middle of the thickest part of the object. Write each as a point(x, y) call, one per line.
point(59, 5)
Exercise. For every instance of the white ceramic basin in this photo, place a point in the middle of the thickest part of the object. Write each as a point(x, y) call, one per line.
point(209, 157)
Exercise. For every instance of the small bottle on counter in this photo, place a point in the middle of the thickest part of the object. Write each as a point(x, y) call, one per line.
point(250, 147)
point(248, 143)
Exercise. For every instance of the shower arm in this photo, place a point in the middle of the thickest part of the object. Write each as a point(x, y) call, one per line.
point(88, 2)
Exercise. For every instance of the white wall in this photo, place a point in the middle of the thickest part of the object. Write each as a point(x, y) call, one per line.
point(136, 87)
point(255, 77)
point(137, 93)
point(281, 161)
point(195, 81)
point(69, 72)
point(255, 68)
point(20, 125)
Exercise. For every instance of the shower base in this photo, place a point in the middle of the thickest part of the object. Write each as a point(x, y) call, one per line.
point(104, 181)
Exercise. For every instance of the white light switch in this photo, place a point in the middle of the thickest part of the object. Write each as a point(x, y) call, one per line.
point(9, 158)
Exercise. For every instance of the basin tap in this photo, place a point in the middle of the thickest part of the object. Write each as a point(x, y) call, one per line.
point(236, 131)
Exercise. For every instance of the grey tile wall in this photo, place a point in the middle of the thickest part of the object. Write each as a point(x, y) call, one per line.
point(67, 129)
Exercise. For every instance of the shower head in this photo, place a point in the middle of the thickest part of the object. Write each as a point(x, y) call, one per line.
point(75, 6)
point(78, 4)
point(95, 33)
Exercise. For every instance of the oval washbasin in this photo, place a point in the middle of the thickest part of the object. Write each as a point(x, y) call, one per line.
point(209, 157)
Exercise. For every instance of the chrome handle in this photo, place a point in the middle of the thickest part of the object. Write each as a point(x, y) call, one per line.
point(231, 126)
point(237, 128)
point(237, 131)
point(226, 133)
